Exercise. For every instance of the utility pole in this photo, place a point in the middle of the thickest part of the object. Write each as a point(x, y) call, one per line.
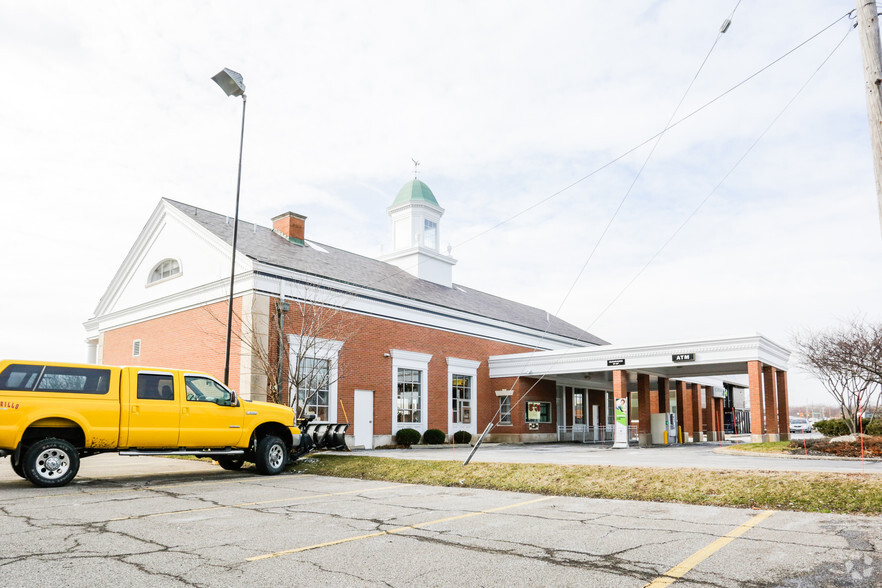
point(868, 25)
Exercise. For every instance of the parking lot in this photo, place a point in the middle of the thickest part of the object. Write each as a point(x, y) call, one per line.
point(202, 526)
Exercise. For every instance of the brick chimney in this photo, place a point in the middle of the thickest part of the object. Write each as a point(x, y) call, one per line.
point(291, 225)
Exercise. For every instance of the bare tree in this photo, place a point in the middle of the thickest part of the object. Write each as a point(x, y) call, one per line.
point(300, 355)
point(315, 334)
point(848, 362)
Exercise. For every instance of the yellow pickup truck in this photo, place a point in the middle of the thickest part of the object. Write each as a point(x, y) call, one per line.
point(53, 414)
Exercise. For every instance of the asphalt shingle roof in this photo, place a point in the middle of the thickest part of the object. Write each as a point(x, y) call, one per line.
point(264, 245)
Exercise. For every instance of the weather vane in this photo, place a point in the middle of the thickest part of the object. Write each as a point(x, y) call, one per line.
point(416, 166)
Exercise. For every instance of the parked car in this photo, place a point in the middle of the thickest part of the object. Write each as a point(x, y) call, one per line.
point(800, 425)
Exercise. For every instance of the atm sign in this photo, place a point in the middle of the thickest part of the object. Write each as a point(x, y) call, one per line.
point(678, 357)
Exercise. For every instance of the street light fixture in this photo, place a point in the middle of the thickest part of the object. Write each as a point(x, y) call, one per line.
point(232, 83)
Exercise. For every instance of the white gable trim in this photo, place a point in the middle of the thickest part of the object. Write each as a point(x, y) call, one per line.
point(162, 214)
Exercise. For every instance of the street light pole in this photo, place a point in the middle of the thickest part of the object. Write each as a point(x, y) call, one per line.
point(232, 83)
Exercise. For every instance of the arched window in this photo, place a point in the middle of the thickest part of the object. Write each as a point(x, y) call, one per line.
point(165, 269)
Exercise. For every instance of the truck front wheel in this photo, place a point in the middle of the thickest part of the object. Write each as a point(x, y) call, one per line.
point(271, 455)
point(50, 463)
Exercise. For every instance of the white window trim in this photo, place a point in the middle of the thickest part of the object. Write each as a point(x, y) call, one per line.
point(462, 367)
point(163, 280)
point(323, 349)
point(413, 361)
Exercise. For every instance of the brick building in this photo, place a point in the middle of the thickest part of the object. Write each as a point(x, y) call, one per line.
point(388, 343)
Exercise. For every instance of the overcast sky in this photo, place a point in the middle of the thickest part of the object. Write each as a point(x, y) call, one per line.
point(109, 106)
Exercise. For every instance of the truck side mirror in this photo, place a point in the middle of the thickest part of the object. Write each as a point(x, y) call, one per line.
point(234, 400)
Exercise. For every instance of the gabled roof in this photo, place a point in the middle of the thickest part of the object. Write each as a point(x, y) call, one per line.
point(262, 244)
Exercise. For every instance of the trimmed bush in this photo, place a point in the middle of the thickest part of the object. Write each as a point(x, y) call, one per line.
point(407, 437)
point(462, 437)
point(832, 427)
point(434, 437)
point(838, 427)
point(874, 427)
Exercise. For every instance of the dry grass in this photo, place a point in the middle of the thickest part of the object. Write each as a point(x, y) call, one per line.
point(809, 491)
point(770, 447)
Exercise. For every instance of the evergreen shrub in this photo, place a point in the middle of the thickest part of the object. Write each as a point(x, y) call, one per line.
point(407, 437)
point(434, 437)
point(462, 437)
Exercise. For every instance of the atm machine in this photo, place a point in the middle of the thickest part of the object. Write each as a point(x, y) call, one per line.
point(661, 423)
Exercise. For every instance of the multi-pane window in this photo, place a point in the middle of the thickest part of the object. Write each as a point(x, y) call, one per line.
point(461, 395)
point(505, 410)
point(430, 232)
point(166, 269)
point(409, 395)
point(312, 393)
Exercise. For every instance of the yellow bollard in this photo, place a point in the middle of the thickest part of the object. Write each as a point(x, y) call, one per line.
point(666, 437)
point(680, 433)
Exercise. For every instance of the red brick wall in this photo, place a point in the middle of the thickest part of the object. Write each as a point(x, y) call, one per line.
point(363, 366)
point(192, 339)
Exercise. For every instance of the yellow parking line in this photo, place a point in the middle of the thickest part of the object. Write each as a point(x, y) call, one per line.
point(682, 568)
point(395, 530)
point(289, 499)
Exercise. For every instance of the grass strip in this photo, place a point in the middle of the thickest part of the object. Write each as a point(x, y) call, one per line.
point(769, 447)
point(795, 491)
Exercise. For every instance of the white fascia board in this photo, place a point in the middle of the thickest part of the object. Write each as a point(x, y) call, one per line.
point(643, 358)
point(161, 214)
point(179, 302)
point(360, 300)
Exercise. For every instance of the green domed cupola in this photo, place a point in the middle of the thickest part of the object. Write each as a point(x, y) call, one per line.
point(416, 237)
point(415, 191)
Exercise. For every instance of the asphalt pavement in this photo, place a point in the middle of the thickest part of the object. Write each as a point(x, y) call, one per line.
point(219, 528)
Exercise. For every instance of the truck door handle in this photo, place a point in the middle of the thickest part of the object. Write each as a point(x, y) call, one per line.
point(185, 411)
point(135, 409)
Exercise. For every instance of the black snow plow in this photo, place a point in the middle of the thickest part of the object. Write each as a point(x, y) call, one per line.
point(316, 436)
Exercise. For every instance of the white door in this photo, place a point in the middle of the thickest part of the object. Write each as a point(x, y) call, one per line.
point(364, 419)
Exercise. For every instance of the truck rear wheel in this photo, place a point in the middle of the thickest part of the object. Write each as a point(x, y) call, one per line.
point(271, 455)
point(50, 463)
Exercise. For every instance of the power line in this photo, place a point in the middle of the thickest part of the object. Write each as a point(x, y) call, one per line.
point(725, 177)
point(658, 138)
point(650, 139)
